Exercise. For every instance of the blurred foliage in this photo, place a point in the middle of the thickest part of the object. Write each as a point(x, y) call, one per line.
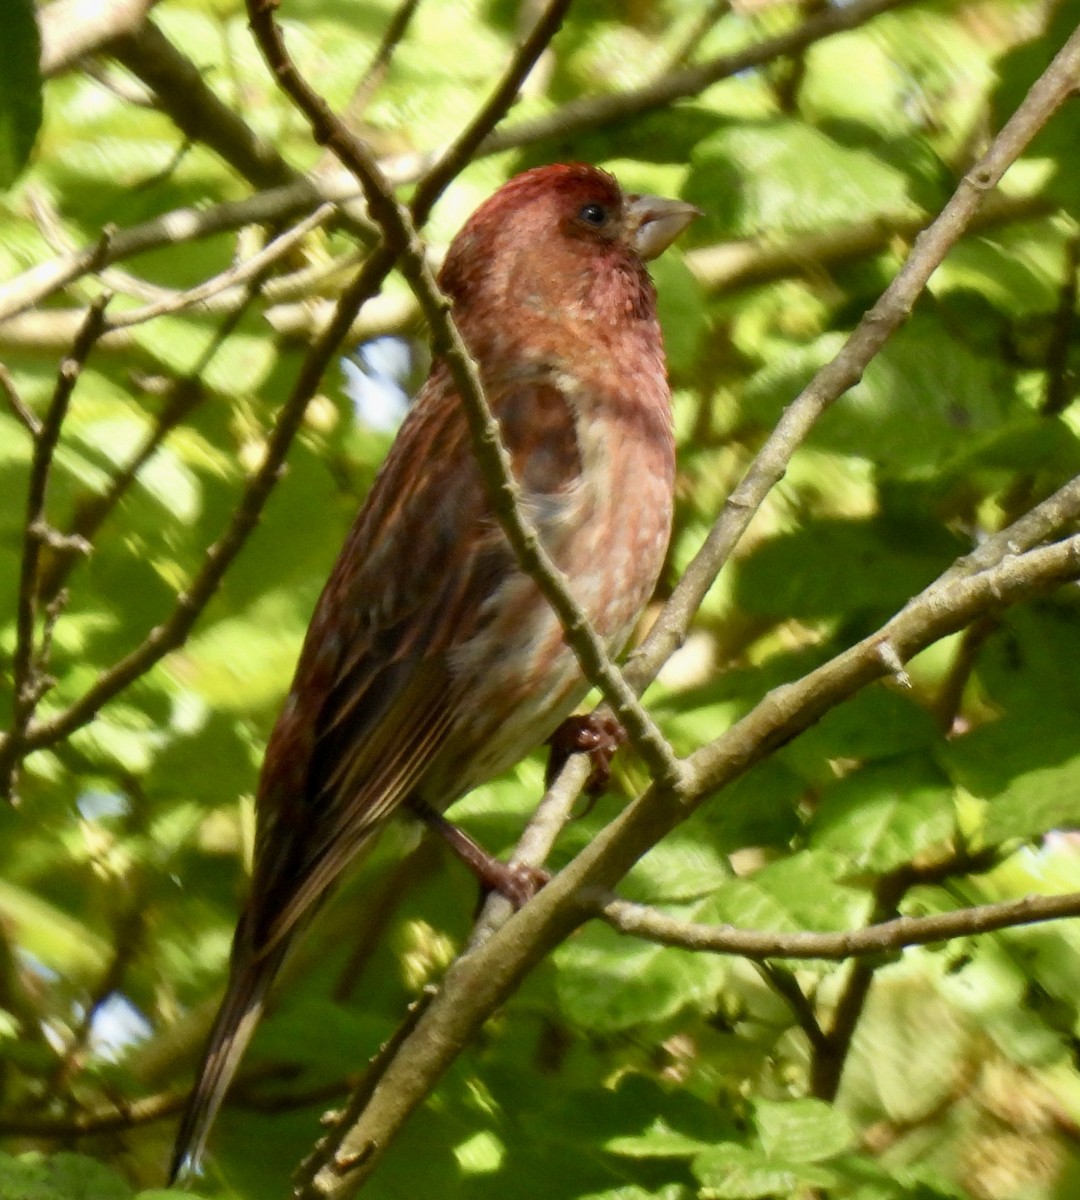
point(621, 1070)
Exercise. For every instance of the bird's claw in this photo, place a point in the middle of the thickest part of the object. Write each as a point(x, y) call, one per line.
point(517, 882)
point(595, 734)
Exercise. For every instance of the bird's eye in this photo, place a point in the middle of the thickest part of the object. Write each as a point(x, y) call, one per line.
point(595, 215)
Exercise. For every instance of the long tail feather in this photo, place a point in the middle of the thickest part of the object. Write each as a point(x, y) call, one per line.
point(249, 979)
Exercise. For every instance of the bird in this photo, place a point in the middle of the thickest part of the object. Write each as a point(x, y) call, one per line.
point(432, 662)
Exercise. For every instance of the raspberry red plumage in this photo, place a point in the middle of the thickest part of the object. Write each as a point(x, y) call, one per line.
point(432, 662)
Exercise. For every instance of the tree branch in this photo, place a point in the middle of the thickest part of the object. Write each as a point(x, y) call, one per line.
point(29, 683)
point(195, 109)
point(494, 462)
point(893, 308)
point(592, 111)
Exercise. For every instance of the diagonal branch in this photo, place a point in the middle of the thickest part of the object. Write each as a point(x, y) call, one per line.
point(494, 462)
point(481, 980)
point(592, 111)
point(27, 672)
point(1047, 94)
point(492, 970)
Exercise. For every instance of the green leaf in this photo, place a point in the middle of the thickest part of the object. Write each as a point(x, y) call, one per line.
point(658, 1141)
point(910, 1046)
point(801, 1131)
point(733, 1172)
point(886, 814)
point(671, 1191)
point(833, 566)
point(20, 89)
point(784, 175)
point(608, 982)
point(59, 1177)
point(792, 894)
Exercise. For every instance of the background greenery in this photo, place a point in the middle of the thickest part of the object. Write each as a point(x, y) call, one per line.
point(621, 1069)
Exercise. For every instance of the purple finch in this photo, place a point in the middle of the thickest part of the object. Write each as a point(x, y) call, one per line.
point(433, 663)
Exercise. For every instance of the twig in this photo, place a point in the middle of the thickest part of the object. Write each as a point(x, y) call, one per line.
point(18, 405)
point(784, 983)
point(730, 266)
point(376, 70)
point(482, 980)
point(591, 111)
point(450, 161)
point(492, 457)
point(194, 107)
point(271, 207)
point(110, 1119)
point(892, 309)
point(172, 632)
point(327, 1154)
point(237, 274)
point(704, 21)
point(28, 684)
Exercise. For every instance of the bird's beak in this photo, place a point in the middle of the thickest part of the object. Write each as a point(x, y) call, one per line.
point(654, 222)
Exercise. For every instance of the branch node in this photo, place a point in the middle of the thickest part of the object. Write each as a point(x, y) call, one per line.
point(887, 652)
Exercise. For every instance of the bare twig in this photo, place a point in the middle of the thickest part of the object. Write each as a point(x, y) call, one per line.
point(28, 680)
point(592, 111)
point(492, 457)
point(451, 160)
point(18, 405)
point(885, 938)
point(845, 370)
point(194, 107)
point(376, 70)
point(239, 273)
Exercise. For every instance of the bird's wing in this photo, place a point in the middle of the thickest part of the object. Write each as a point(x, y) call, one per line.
point(374, 697)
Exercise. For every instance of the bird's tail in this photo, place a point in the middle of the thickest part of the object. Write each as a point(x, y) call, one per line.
point(250, 977)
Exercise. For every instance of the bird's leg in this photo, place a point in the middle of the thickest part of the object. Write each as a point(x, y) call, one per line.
point(599, 735)
point(516, 882)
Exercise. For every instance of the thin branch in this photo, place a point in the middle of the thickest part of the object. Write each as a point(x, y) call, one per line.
point(480, 981)
point(846, 369)
point(592, 111)
point(172, 632)
point(271, 207)
point(113, 1118)
point(784, 983)
point(194, 108)
point(376, 70)
point(239, 273)
point(492, 457)
point(327, 1154)
point(450, 161)
point(28, 683)
point(705, 20)
point(730, 266)
point(23, 414)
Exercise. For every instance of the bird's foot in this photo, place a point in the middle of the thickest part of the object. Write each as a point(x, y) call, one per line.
point(599, 735)
point(516, 882)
